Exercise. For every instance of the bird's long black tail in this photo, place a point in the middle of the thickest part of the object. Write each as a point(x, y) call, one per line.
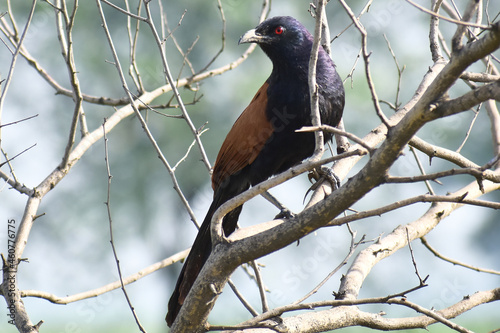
point(200, 251)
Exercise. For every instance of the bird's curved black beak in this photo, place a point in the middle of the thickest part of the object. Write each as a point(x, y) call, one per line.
point(251, 36)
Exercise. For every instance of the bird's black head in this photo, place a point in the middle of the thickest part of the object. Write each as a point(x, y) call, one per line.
point(280, 37)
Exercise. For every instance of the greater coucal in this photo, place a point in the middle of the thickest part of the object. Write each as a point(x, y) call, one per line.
point(263, 141)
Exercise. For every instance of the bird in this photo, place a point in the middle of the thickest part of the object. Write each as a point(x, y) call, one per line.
point(263, 141)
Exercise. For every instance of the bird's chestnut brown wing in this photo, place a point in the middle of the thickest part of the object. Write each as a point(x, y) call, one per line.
point(245, 140)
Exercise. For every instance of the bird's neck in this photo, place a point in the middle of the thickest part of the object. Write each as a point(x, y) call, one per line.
point(294, 73)
point(293, 65)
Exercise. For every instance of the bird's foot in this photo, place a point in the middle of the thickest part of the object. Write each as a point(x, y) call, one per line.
point(323, 173)
point(285, 213)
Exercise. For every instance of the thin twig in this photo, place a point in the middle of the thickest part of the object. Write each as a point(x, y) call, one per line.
point(400, 73)
point(223, 37)
point(336, 131)
point(183, 158)
point(110, 286)
point(460, 199)
point(352, 249)
point(456, 262)
point(65, 34)
point(6, 83)
point(242, 299)
point(108, 209)
point(353, 68)
point(171, 35)
point(18, 154)
point(467, 134)
point(429, 313)
point(139, 115)
point(18, 121)
point(460, 32)
point(414, 262)
point(11, 17)
point(260, 284)
point(175, 91)
point(277, 203)
point(313, 87)
point(11, 169)
point(133, 41)
point(422, 170)
point(467, 24)
point(123, 11)
point(479, 174)
point(366, 57)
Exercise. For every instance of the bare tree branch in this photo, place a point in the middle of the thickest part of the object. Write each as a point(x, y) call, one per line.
point(366, 57)
point(65, 33)
point(465, 24)
point(223, 37)
point(455, 262)
point(242, 299)
point(479, 77)
point(435, 48)
point(352, 248)
point(133, 41)
point(260, 284)
point(109, 287)
point(440, 152)
point(478, 173)
point(410, 201)
point(110, 219)
point(126, 12)
point(337, 131)
point(494, 116)
point(469, 100)
point(175, 90)
point(313, 87)
point(9, 286)
point(6, 83)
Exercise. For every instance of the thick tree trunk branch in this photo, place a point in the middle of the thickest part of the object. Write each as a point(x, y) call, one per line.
point(347, 316)
point(469, 100)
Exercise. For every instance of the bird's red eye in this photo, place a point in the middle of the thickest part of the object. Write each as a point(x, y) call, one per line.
point(279, 30)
